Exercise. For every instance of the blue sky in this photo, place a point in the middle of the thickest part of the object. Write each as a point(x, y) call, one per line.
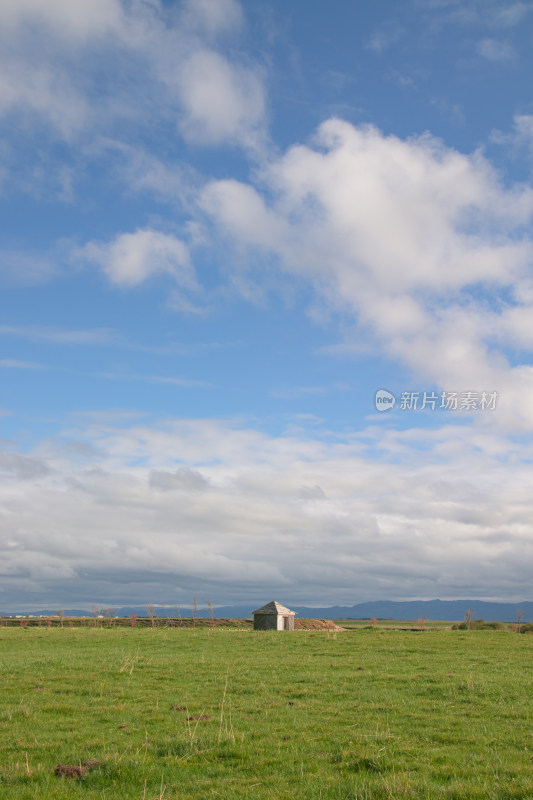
point(224, 227)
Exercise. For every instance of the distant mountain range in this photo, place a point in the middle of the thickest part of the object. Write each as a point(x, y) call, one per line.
point(382, 609)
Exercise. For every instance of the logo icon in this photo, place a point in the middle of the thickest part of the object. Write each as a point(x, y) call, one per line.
point(384, 400)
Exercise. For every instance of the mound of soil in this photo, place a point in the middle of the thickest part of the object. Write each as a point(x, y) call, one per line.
point(91, 764)
point(70, 771)
point(75, 770)
point(316, 625)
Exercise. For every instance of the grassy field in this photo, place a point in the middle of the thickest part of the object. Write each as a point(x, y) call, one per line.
point(223, 713)
point(395, 624)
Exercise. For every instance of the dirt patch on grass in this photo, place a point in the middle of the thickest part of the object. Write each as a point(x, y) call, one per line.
point(201, 717)
point(75, 770)
point(70, 771)
point(91, 764)
point(316, 625)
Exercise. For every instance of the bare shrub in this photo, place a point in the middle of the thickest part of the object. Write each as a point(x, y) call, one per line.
point(519, 618)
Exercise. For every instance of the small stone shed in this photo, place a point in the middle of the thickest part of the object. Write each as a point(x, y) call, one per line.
point(273, 617)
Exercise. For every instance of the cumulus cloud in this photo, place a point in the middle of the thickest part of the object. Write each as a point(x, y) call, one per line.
point(423, 245)
point(221, 104)
point(182, 478)
point(202, 506)
point(38, 41)
point(176, 69)
point(22, 467)
point(80, 20)
point(132, 258)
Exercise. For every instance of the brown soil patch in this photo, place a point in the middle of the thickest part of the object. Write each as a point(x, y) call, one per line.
point(69, 771)
point(91, 764)
point(202, 717)
point(123, 727)
point(316, 625)
point(75, 770)
point(178, 708)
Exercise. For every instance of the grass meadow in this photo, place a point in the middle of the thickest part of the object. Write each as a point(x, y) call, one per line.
point(225, 713)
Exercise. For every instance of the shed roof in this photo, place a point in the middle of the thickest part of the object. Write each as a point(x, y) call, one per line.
point(273, 608)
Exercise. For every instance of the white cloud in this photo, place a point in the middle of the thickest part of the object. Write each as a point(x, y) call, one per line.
point(509, 14)
point(495, 50)
point(521, 135)
point(213, 16)
point(203, 506)
point(524, 126)
point(132, 258)
point(80, 19)
point(46, 92)
point(475, 13)
point(422, 244)
point(182, 478)
point(44, 333)
point(142, 171)
point(22, 467)
point(52, 54)
point(384, 38)
point(222, 103)
point(40, 42)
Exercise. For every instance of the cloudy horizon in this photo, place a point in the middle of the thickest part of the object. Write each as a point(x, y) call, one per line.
point(227, 226)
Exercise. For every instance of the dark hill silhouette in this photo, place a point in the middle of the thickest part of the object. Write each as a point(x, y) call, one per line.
point(382, 609)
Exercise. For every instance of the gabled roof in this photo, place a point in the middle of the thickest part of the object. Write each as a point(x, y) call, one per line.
point(273, 608)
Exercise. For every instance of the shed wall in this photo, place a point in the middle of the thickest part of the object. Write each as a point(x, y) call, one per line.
point(266, 622)
point(285, 622)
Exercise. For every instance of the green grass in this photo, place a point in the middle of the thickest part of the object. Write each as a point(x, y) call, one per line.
point(394, 624)
point(360, 714)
